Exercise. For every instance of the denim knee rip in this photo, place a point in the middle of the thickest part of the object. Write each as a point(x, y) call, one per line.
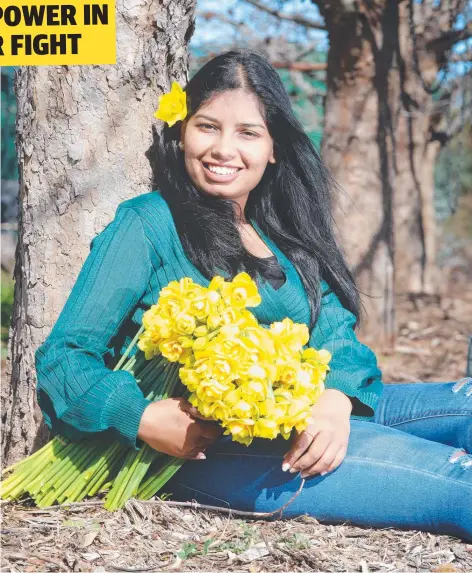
point(461, 384)
point(459, 455)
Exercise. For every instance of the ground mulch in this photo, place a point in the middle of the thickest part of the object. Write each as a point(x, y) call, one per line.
point(157, 536)
point(433, 339)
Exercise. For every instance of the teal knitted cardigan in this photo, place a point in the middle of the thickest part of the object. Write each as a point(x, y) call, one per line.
point(136, 255)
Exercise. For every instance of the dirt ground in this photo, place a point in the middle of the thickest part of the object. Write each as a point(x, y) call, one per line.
point(434, 334)
point(154, 536)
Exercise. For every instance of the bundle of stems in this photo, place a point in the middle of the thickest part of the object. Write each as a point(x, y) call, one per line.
point(65, 471)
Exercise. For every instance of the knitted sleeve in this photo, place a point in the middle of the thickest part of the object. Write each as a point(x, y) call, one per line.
point(353, 366)
point(77, 392)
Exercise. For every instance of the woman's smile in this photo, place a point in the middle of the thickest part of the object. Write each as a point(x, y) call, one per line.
point(220, 173)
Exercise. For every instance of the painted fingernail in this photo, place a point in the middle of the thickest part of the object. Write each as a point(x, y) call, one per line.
point(303, 476)
point(292, 470)
point(285, 466)
point(201, 456)
point(323, 473)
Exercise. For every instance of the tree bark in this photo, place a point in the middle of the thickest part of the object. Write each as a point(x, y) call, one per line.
point(378, 142)
point(84, 144)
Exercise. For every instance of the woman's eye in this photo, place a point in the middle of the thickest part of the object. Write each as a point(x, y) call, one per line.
point(208, 125)
point(205, 125)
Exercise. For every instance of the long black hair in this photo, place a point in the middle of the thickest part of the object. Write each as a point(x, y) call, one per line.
point(291, 203)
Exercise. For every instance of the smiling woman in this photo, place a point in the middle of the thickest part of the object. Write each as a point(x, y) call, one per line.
point(223, 157)
point(241, 180)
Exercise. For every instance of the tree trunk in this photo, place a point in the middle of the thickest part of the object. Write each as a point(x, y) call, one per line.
point(84, 144)
point(378, 143)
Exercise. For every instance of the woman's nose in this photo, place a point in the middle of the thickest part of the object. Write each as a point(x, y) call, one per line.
point(224, 148)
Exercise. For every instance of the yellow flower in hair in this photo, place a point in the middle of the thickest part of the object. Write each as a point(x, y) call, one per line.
point(172, 105)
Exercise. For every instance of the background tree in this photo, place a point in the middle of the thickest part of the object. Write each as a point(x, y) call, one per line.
point(84, 144)
point(381, 139)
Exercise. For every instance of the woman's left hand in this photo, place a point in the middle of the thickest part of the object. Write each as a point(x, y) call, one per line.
point(321, 447)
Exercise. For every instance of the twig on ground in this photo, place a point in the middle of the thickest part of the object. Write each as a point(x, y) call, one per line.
point(252, 514)
point(33, 555)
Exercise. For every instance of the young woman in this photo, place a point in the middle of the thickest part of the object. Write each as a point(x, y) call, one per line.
point(243, 188)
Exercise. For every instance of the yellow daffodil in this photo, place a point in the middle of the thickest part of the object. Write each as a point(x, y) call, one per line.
point(231, 397)
point(288, 373)
point(246, 319)
point(219, 411)
point(148, 346)
point(241, 292)
point(172, 105)
point(205, 408)
point(211, 390)
point(290, 335)
point(254, 391)
point(266, 428)
point(185, 323)
point(156, 323)
point(242, 409)
point(214, 320)
point(311, 354)
point(267, 408)
point(174, 351)
point(200, 307)
point(216, 283)
point(241, 430)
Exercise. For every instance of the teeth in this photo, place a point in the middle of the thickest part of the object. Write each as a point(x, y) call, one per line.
point(221, 170)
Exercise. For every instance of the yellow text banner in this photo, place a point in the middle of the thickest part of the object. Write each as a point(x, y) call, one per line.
point(49, 33)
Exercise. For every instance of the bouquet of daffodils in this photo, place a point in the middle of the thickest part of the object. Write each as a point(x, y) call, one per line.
point(201, 343)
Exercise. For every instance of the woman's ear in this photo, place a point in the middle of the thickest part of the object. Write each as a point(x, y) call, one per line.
point(272, 157)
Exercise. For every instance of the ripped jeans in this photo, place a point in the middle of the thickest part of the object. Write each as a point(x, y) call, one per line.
point(409, 468)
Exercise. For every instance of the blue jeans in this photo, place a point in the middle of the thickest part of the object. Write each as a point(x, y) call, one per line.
point(405, 469)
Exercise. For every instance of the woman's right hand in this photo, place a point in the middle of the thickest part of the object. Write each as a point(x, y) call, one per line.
point(169, 427)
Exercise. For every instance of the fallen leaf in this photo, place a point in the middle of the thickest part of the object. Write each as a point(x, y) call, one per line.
point(92, 556)
point(88, 539)
point(255, 552)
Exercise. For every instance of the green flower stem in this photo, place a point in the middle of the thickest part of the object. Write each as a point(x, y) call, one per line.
point(137, 463)
point(49, 497)
point(106, 487)
point(85, 477)
point(121, 479)
point(154, 483)
point(136, 475)
point(53, 446)
point(152, 373)
point(14, 486)
point(162, 389)
point(54, 485)
point(56, 468)
point(141, 362)
point(128, 367)
point(15, 483)
point(163, 385)
point(113, 463)
point(128, 350)
point(67, 471)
